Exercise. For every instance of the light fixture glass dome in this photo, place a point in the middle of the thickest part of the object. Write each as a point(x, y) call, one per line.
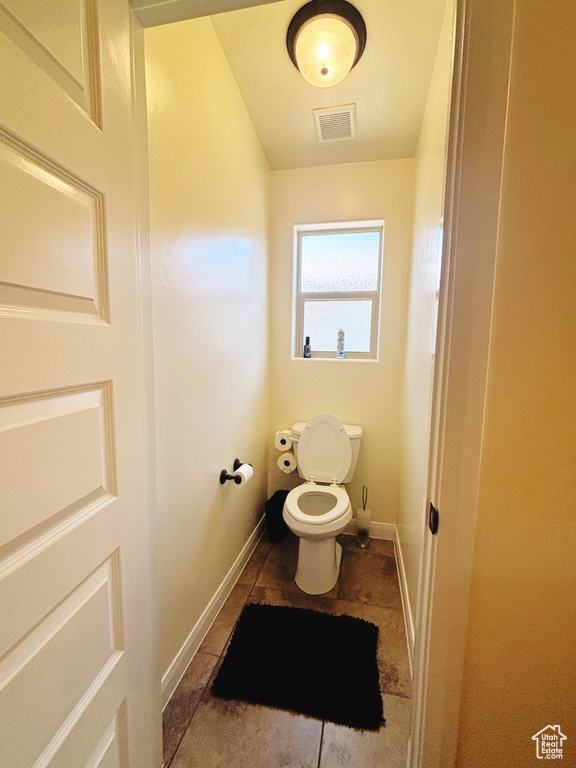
point(326, 49)
point(325, 39)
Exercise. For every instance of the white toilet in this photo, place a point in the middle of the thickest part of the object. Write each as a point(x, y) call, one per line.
point(319, 509)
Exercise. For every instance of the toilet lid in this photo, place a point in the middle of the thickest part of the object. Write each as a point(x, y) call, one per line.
point(324, 450)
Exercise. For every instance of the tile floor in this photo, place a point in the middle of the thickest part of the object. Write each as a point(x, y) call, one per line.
point(202, 731)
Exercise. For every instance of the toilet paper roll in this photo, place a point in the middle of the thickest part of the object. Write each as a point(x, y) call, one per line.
point(243, 474)
point(283, 440)
point(287, 462)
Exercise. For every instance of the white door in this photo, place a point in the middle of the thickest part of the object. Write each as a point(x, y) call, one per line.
point(77, 680)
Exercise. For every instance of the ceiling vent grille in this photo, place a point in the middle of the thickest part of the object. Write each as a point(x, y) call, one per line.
point(335, 123)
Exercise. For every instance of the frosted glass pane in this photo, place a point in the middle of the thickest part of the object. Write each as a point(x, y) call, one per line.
point(323, 320)
point(342, 262)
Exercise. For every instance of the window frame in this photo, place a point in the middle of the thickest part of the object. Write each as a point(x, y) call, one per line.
point(301, 298)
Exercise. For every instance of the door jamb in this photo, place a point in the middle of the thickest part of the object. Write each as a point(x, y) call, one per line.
point(478, 113)
point(460, 372)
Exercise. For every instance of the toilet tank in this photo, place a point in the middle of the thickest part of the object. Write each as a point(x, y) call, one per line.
point(354, 433)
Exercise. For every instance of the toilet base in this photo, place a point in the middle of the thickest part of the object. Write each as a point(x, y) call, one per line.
point(318, 565)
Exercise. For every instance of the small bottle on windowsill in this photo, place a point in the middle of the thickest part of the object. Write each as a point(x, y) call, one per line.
point(307, 348)
point(340, 350)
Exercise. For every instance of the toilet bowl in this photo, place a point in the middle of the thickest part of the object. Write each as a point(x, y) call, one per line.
point(319, 509)
point(317, 514)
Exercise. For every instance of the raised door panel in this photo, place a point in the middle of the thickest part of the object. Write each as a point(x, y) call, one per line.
point(63, 42)
point(72, 651)
point(107, 746)
point(58, 458)
point(53, 240)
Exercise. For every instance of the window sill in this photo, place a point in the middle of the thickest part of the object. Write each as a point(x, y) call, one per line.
point(336, 359)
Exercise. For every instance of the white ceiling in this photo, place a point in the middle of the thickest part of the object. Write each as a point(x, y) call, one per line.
point(389, 84)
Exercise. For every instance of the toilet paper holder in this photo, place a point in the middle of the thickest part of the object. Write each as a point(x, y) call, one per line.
point(225, 476)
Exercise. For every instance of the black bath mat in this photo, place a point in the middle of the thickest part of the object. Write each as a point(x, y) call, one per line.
point(307, 662)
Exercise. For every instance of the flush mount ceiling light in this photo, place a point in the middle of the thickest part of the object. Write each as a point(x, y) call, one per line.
point(325, 39)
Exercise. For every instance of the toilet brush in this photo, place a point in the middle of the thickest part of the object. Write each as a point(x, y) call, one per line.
point(363, 522)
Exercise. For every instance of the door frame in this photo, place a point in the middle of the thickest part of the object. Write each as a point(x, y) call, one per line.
point(478, 109)
point(477, 129)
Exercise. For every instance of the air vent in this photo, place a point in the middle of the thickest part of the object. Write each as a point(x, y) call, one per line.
point(335, 123)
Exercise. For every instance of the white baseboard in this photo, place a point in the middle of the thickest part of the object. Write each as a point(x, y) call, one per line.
point(389, 532)
point(408, 618)
point(179, 665)
point(385, 531)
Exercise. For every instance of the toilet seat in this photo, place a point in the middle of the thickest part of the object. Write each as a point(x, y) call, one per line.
point(330, 493)
point(324, 452)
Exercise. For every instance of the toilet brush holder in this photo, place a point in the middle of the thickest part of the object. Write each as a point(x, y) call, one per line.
point(363, 517)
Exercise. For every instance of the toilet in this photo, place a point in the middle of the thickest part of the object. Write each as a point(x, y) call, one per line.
point(317, 511)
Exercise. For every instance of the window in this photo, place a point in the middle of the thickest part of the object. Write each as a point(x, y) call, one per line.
point(338, 287)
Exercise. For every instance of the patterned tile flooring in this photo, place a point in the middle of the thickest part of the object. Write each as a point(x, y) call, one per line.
point(202, 731)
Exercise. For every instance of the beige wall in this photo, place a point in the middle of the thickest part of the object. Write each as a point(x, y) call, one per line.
point(520, 671)
point(423, 308)
point(209, 191)
point(356, 392)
